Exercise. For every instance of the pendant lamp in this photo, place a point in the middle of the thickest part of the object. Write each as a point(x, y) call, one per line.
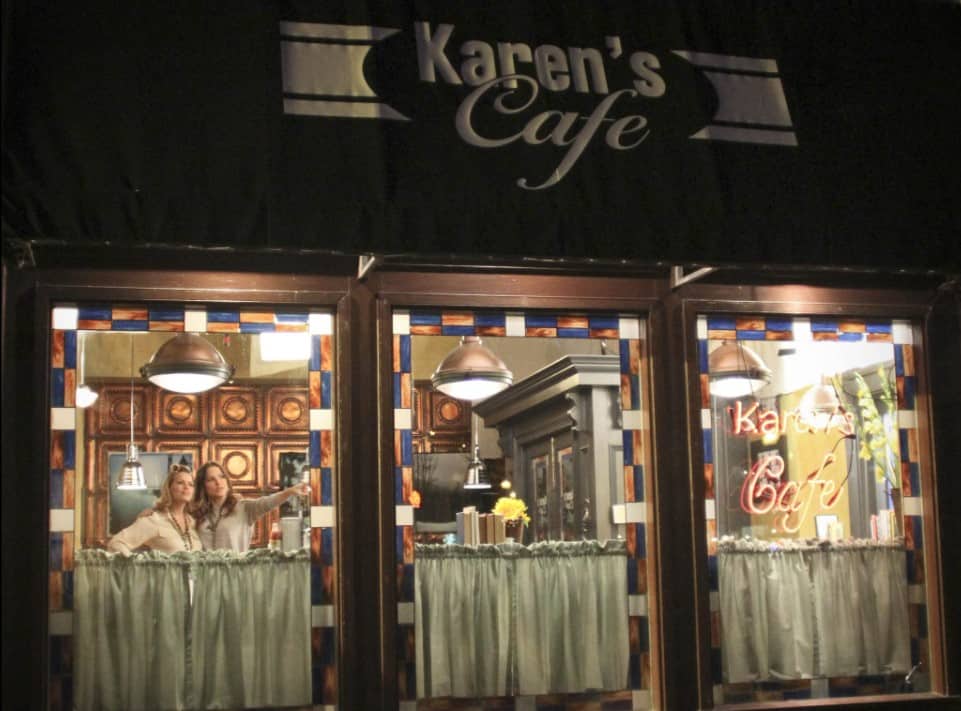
point(735, 371)
point(471, 372)
point(476, 470)
point(85, 396)
point(132, 476)
point(187, 363)
point(818, 406)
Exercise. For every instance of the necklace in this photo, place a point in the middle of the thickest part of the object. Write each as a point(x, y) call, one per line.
point(183, 532)
point(212, 522)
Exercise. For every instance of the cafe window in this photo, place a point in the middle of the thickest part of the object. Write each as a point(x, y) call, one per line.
point(813, 480)
point(522, 512)
point(251, 627)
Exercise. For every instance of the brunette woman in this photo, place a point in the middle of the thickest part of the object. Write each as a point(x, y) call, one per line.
point(226, 520)
point(168, 527)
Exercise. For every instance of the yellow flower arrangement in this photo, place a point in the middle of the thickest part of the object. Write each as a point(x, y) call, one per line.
point(512, 509)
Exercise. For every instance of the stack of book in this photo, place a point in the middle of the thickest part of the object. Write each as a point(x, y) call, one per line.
point(475, 528)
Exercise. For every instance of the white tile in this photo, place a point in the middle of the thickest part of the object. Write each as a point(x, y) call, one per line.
point(64, 318)
point(61, 520)
point(701, 328)
point(628, 327)
point(705, 419)
point(401, 322)
point(636, 512)
point(802, 330)
point(637, 605)
point(618, 513)
point(632, 420)
point(195, 321)
point(916, 594)
point(718, 693)
point(402, 419)
point(912, 506)
point(902, 332)
point(907, 419)
point(715, 598)
point(321, 419)
point(320, 324)
point(321, 516)
point(819, 688)
point(63, 418)
point(514, 325)
point(640, 700)
point(709, 512)
point(61, 624)
point(404, 515)
point(405, 613)
point(321, 615)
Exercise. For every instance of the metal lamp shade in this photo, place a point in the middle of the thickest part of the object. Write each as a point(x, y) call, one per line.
point(818, 406)
point(736, 371)
point(132, 476)
point(187, 363)
point(471, 372)
point(477, 473)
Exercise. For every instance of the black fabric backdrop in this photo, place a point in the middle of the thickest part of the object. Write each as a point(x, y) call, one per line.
point(162, 122)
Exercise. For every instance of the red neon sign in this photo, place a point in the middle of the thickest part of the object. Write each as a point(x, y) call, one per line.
point(758, 420)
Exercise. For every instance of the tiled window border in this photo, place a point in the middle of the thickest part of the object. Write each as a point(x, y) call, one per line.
point(630, 332)
point(65, 324)
point(804, 329)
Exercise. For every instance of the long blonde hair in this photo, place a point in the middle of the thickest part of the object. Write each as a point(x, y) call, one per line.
point(166, 495)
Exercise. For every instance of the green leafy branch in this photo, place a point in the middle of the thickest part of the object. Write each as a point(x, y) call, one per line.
point(878, 441)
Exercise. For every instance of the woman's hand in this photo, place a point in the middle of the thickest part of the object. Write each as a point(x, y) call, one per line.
point(301, 489)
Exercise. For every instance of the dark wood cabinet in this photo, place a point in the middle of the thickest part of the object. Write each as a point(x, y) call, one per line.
point(242, 427)
point(440, 423)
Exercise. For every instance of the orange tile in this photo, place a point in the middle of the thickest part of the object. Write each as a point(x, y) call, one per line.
point(625, 391)
point(397, 447)
point(56, 350)
point(907, 357)
point(128, 314)
point(541, 332)
point(326, 448)
point(610, 333)
point(491, 331)
point(635, 358)
point(425, 330)
point(572, 322)
point(408, 544)
point(56, 450)
point(69, 387)
point(327, 353)
point(638, 446)
point(721, 335)
point(256, 317)
point(879, 338)
point(708, 480)
point(913, 449)
point(711, 536)
point(165, 326)
point(629, 483)
point(851, 326)
point(407, 483)
point(705, 391)
point(313, 383)
point(779, 336)
point(56, 590)
point(315, 492)
point(94, 325)
point(824, 336)
point(457, 318)
point(218, 327)
point(749, 323)
point(67, 555)
point(69, 482)
point(641, 564)
point(395, 354)
point(405, 390)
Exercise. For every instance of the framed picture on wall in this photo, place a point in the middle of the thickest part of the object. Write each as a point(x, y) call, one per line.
point(125, 505)
point(293, 468)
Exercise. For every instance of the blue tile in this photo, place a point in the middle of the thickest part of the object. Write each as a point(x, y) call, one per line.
point(712, 573)
point(316, 585)
point(56, 387)
point(326, 389)
point(573, 333)
point(823, 326)
point(94, 313)
point(922, 622)
point(327, 546)
point(915, 470)
point(878, 327)
point(407, 584)
point(69, 440)
point(915, 651)
point(124, 325)
point(909, 565)
point(797, 693)
point(401, 651)
point(398, 486)
point(851, 337)
point(639, 482)
point(645, 635)
point(398, 543)
point(702, 366)
point(640, 531)
point(918, 530)
point(406, 448)
point(628, 440)
point(56, 551)
point(223, 317)
point(751, 335)
point(716, 666)
point(721, 323)
point(903, 443)
point(56, 488)
point(708, 447)
point(635, 667)
point(315, 353)
point(67, 578)
point(326, 494)
point(603, 321)
point(457, 330)
point(625, 355)
point(56, 655)
point(898, 361)
point(397, 391)
point(540, 321)
point(631, 576)
point(165, 314)
point(257, 327)
point(779, 324)
point(317, 685)
point(405, 354)
point(315, 448)
point(292, 318)
point(425, 318)
point(490, 318)
point(909, 390)
point(70, 349)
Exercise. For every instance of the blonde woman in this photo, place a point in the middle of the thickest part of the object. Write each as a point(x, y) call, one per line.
point(168, 527)
point(226, 520)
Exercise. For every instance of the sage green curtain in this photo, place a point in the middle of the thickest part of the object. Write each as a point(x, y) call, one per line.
point(806, 610)
point(497, 620)
point(129, 632)
point(242, 641)
point(250, 623)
